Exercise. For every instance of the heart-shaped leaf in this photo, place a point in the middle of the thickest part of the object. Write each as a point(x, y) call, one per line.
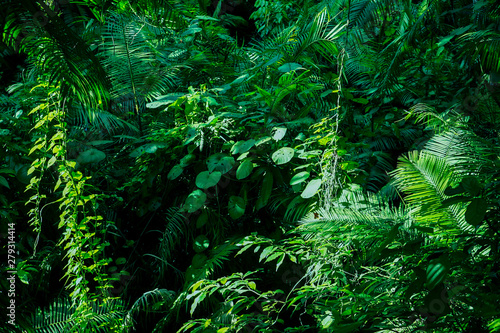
point(91, 156)
point(236, 207)
point(194, 201)
point(279, 133)
point(283, 155)
point(220, 162)
point(206, 179)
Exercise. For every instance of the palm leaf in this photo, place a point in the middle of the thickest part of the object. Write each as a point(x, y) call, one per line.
point(423, 178)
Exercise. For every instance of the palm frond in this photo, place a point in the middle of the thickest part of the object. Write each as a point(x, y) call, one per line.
point(57, 50)
point(423, 178)
point(63, 316)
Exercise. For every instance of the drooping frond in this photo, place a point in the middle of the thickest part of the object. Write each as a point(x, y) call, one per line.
point(464, 151)
point(60, 317)
point(355, 213)
point(423, 178)
point(58, 50)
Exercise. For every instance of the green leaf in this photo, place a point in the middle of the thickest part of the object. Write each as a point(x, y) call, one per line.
point(220, 162)
point(194, 201)
point(360, 100)
point(311, 188)
point(288, 67)
point(202, 220)
point(241, 147)
point(201, 243)
point(120, 261)
point(245, 169)
point(279, 133)
point(206, 179)
point(436, 271)
point(236, 207)
point(476, 211)
point(471, 185)
point(186, 160)
point(283, 155)
point(265, 191)
point(4, 182)
point(327, 322)
point(240, 79)
point(91, 156)
point(175, 172)
point(299, 178)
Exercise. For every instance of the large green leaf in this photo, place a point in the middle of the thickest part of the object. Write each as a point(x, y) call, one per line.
point(91, 156)
point(245, 169)
point(241, 147)
point(194, 201)
point(236, 207)
point(476, 211)
point(206, 179)
point(279, 133)
point(311, 188)
point(220, 162)
point(175, 172)
point(283, 155)
point(265, 191)
point(299, 178)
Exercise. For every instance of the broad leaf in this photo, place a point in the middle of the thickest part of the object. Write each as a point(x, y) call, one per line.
point(91, 156)
point(194, 201)
point(288, 67)
point(220, 162)
point(206, 179)
point(299, 178)
point(175, 172)
point(279, 133)
point(265, 191)
point(283, 155)
point(475, 212)
point(245, 169)
point(241, 147)
point(236, 207)
point(311, 188)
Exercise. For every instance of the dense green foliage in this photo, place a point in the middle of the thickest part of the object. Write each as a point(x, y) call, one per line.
point(166, 167)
